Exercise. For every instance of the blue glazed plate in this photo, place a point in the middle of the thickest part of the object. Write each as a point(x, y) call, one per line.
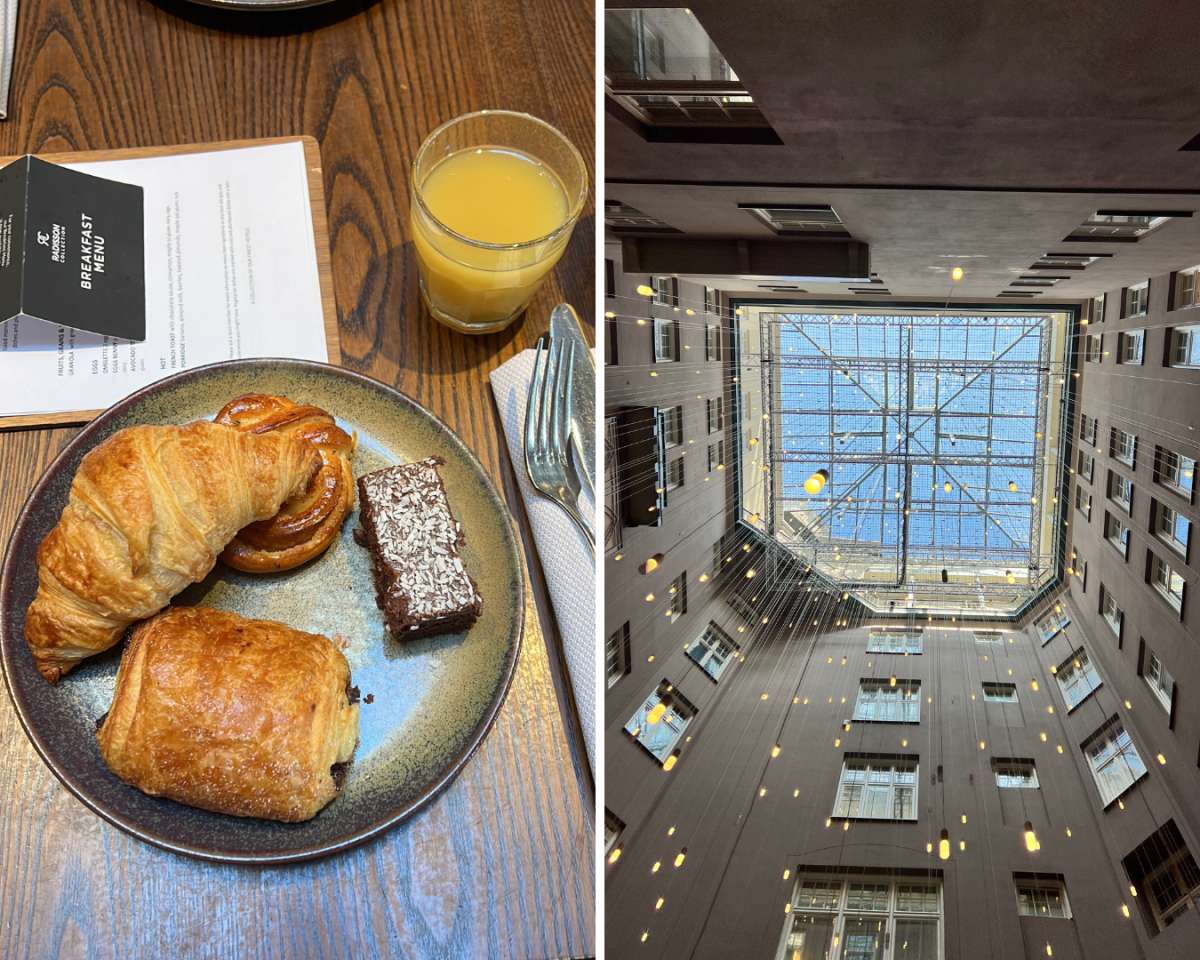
point(431, 701)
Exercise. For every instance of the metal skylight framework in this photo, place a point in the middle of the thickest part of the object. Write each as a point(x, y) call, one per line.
point(935, 429)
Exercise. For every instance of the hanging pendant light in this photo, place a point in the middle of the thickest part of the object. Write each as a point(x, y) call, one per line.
point(679, 857)
point(1008, 575)
point(656, 713)
point(944, 845)
point(1031, 840)
point(816, 483)
point(947, 486)
point(670, 762)
point(1012, 486)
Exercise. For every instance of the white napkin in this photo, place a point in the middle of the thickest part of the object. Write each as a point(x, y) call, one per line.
point(568, 560)
point(8, 32)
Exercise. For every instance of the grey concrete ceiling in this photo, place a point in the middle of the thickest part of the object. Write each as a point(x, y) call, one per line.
point(1094, 94)
point(917, 236)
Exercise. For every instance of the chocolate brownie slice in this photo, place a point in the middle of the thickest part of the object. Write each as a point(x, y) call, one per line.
point(421, 584)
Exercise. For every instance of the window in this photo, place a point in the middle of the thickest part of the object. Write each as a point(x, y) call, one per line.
point(1130, 344)
point(611, 354)
point(1185, 346)
point(1077, 678)
point(1098, 308)
point(794, 218)
point(659, 730)
point(887, 701)
point(678, 594)
point(716, 456)
point(1163, 868)
point(987, 636)
point(1187, 292)
point(621, 216)
point(1159, 679)
point(616, 654)
point(1127, 226)
point(1087, 466)
point(1014, 773)
point(894, 641)
point(663, 70)
point(1111, 613)
point(1175, 471)
point(1087, 428)
point(1042, 896)
point(1093, 347)
point(1052, 624)
point(1135, 299)
point(1081, 566)
point(1122, 446)
point(1166, 581)
point(1116, 533)
point(614, 826)
point(671, 424)
point(674, 479)
point(666, 291)
point(875, 915)
point(666, 340)
point(1120, 491)
point(712, 342)
point(1083, 502)
point(877, 788)
point(1000, 692)
point(1114, 760)
point(716, 413)
point(710, 300)
point(1171, 526)
point(610, 277)
point(712, 651)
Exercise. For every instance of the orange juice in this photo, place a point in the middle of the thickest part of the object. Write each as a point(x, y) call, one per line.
point(488, 233)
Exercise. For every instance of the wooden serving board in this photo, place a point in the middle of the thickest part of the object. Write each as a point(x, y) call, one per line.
point(316, 196)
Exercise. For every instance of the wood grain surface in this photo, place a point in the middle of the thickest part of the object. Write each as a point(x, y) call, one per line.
point(500, 865)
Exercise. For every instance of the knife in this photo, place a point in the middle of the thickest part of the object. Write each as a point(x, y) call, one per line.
point(565, 326)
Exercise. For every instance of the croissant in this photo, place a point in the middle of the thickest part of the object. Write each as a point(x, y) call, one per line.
point(244, 717)
point(150, 509)
point(308, 523)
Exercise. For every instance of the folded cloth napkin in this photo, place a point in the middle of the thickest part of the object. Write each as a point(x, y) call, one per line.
point(568, 560)
point(8, 32)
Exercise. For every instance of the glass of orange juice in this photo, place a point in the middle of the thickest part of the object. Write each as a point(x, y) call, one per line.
point(495, 196)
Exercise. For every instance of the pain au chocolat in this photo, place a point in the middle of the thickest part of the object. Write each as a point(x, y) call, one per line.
point(245, 717)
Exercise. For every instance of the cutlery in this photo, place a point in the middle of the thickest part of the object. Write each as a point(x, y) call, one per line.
point(547, 430)
point(565, 326)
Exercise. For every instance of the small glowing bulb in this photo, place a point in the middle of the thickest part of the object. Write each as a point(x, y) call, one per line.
point(1161, 759)
point(615, 855)
point(645, 935)
point(644, 290)
point(1125, 910)
point(669, 763)
point(956, 274)
point(944, 846)
point(775, 750)
point(1031, 840)
point(658, 904)
point(671, 829)
point(656, 713)
point(679, 857)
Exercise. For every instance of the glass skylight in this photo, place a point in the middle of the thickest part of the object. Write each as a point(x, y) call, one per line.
point(934, 428)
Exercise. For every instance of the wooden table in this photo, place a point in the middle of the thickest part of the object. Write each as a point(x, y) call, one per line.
point(500, 865)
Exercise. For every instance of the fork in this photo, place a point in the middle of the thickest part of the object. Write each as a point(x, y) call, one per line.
point(547, 428)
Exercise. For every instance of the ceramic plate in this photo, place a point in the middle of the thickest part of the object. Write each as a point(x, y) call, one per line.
point(432, 700)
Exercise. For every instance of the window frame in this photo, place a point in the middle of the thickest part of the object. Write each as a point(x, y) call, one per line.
point(1164, 528)
point(1125, 355)
point(671, 424)
point(1088, 677)
point(1015, 773)
point(1106, 596)
point(1084, 432)
point(716, 455)
point(877, 763)
point(1187, 294)
point(998, 691)
point(1153, 564)
point(872, 686)
point(1184, 341)
point(1122, 446)
point(677, 591)
point(1042, 884)
point(1121, 544)
point(839, 908)
point(1119, 480)
point(617, 655)
point(1111, 731)
point(1164, 475)
point(711, 651)
point(712, 342)
point(1080, 502)
point(1061, 618)
point(679, 708)
point(666, 340)
point(906, 649)
point(1090, 473)
point(1154, 677)
point(1135, 300)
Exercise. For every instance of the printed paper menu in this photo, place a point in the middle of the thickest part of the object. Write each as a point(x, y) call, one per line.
point(231, 272)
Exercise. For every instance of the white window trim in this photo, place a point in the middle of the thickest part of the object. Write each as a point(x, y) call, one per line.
point(841, 910)
point(1194, 273)
point(719, 641)
point(1164, 590)
point(1191, 331)
point(1051, 885)
point(1110, 733)
point(674, 718)
point(912, 642)
point(1154, 681)
point(1085, 678)
point(1120, 621)
point(892, 787)
point(1005, 780)
point(1129, 336)
point(867, 686)
point(1167, 534)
